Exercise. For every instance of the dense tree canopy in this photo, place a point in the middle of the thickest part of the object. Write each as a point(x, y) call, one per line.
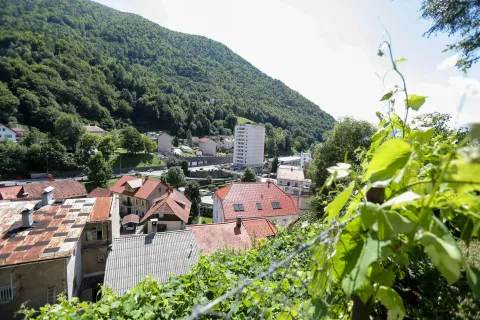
point(117, 69)
point(174, 176)
point(249, 175)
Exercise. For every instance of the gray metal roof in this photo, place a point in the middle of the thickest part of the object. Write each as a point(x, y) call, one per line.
point(158, 255)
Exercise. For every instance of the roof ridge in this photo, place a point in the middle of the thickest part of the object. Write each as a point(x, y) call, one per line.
point(134, 236)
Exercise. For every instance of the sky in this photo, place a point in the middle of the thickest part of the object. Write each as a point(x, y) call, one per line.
point(327, 50)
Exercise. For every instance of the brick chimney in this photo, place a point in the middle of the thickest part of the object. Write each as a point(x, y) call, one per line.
point(268, 183)
point(170, 189)
point(239, 222)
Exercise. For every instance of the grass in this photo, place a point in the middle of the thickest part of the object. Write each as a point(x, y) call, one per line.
point(241, 120)
point(206, 220)
point(90, 185)
point(139, 160)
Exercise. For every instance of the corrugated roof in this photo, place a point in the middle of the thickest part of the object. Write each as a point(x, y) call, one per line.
point(170, 203)
point(64, 189)
point(55, 231)
point(218, 236)
point(159, 255)
point(249, 194)
point(99, 193)
point(101, 210)
point(259, 227)
point(131, 218)
point(290, 173)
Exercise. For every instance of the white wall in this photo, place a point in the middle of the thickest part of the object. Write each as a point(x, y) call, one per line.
point(283, 220)
point(74, 271)
point(165, 143)
point(217, 210)
point(7, 134)
point(249, 145)
point(209, 147)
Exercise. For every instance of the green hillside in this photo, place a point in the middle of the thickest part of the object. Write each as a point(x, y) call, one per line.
point(116, 69)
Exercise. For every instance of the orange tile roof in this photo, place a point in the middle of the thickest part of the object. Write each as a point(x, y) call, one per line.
point(119, 186)
point(211, 237)
point(170, 202)
point(148, 186)
point(222, 192)
point(249, 194)
point(101, 210)
point(55, 231)
point(99, 193)
point(64, 189)
point(259, 227)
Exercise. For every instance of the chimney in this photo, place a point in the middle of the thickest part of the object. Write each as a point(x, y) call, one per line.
point(47, 196)
point(268, 183)
point(50, 177)
point(239, 222)
point(170, 189)
point(27, 215)
point(146, 178)
point(291, 169)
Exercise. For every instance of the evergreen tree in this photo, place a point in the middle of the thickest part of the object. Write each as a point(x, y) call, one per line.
point(249, 175)
point(184, 166)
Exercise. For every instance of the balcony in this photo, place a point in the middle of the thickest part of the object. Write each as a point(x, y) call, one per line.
point(7, 293)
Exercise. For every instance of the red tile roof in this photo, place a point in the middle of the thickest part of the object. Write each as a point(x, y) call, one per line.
point(99, 193)
point(55, 231)
point(204, 140)
point(148, 186)
point(249, 194)
point(64, 189)
point(259, 227)
point(18, 130)
point(211, 237)
point(170, 203)
point(131, 218)
point(101, 210)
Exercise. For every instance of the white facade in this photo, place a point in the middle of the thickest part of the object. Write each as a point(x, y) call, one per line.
point(218, 216)
point(249, 145)
point(305, 158)
point(208, 146)
point(7, 133)
point(164, 142)
point(226, 143)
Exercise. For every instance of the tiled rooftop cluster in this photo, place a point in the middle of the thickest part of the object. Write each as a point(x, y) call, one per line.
point(63, 189)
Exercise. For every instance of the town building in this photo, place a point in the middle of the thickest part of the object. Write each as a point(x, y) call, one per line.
point(305, 159)
point(95, 130)
point(64, 189)
point(158, 255)
point(241, 234)
point(136, 194)
point(207, 146)
point(293, 177)
point(20, 133)
point(49, 247)
point(249, 145)
point(254, 199)
point(169, 212)
point(7, 134)
point(287, 161)
point(164, 141)
point(225, 143)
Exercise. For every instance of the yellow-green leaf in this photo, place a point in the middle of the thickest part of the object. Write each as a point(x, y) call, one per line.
point(392, 301)
point(414, 101)
point(334, 207)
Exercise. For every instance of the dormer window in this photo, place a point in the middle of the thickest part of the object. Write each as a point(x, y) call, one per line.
point(276, 205)
point(259, 206)
point(238, 207)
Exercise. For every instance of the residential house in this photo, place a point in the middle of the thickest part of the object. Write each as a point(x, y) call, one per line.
point(95, 130)
point(169, 212)
point(159, 255)
point(164, 141)
point(225, 143)
point(136, 194)
point(65, 189)
point(292, 181)
point(249, 145)
point(20, 133)
point(208, 146)
point(241, 234)
point(41, 251)
point(7, 134)
point(254, 199)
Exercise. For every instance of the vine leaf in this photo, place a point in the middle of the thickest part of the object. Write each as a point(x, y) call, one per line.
point(334, 207)
point(444, 253)
point(466, 172)
point(392, 301)
point(401, 200)
point(414, 101)
point(359, 261)
point(473, 277)
point(387, 160)
point(387, 96)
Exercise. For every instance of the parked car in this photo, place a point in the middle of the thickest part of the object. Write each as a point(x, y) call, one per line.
point(129, 228)
point(150, 170)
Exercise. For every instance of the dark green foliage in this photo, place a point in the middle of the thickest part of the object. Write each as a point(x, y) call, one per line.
point(69, 130)
point(249, 175)
point(117, 69)
point(107, 145)
point(132, 140)
point(175, 141)
point(192, 191)
point(174, 177)
point(99, 170)
point(274, 165)
point(460, 18)
point(12, 159)
point(173, 162)
point(184, 165)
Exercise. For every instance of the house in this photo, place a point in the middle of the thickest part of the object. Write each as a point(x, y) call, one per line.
point(20, 133)
point(169, 212)
point(290, 176)
point(130, 222)
point(287, 161)
point(254, 199)
point(164, 141)
point(305, 159)
point(207, 146)
point(95, 130)
point(136, 194)
point(44, 249)
point(64, 189)
point(99, 193)
point(7, 134)
point(241, 234)
point(225, 143)
point(186, 149)
point(249, 145)
point(159, 255)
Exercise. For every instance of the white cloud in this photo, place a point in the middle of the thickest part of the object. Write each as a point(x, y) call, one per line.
point(468, 86)
point(448, 62)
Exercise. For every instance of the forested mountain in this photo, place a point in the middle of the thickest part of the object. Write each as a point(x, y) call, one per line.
point(117, 69)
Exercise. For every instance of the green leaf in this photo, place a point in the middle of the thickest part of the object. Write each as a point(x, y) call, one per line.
point(415, 102)
point(392, 301)
point(444, 253)
point(378, 274)
point(473, 277)
point(467, 231)
point(390, 157)
point(103, 309)
point(334, 207)
point(399, 61)
point(468, 173)
point(360, 259)
point(387, 96)
point(401, 200)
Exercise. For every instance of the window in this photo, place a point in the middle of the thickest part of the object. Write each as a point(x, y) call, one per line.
point(143, 203)
point(93, 234)
point(136, 212)
point(238, 207)
point(51, 295)
point(136, 201)
point(259, 206)
point(162, 227)
point(143, 213)
point(276, 205)
point(160, 190)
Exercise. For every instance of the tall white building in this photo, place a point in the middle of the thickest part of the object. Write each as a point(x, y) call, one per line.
point(249, 145)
